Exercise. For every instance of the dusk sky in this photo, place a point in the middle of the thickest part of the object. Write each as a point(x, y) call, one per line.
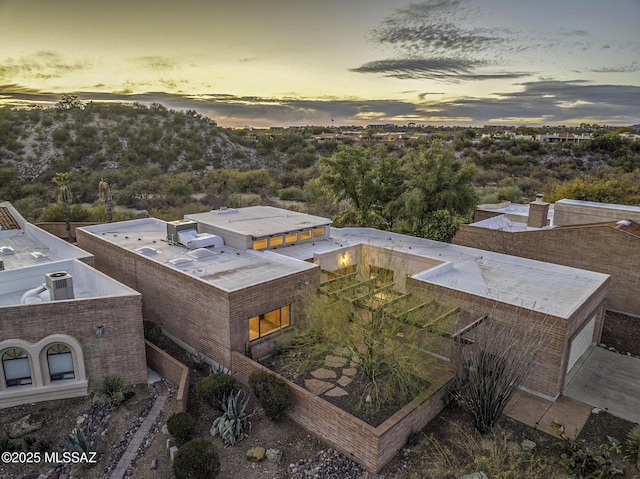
point(299, 62)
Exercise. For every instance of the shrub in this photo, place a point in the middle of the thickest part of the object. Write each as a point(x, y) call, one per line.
point(214, 388)
point(197, 459)
point(152, 332)
point(111, 391)
point(233, 422)
point(272, 392)
point(181, 426)
point(582, 461)
point(633, 445)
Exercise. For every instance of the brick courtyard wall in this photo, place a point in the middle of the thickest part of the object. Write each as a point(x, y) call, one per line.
point(172, 370)
point(120, 350)
point(371, 447)
point(547, 376)
point(598, 248)
point(59, 229)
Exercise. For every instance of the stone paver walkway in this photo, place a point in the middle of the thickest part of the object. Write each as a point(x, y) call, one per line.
point(325, 383)
point(132, 449)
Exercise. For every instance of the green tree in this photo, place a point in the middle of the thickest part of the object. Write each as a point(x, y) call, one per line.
point(437, 181)
point(65, 197)
point(350, 174)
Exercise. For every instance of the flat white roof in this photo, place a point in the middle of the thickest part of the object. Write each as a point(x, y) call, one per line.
point(544, 287)
point(226, 268)
point(604, 206)
point(29, 245)
point(87, 281)
point(258, 221)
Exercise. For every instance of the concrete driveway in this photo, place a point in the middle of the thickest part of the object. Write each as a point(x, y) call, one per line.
point(607, 380)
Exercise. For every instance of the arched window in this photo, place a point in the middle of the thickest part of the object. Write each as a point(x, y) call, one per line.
point(15, 364)
point(60, 361)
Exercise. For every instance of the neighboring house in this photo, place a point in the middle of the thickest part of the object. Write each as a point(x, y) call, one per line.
point(582, 234)
point(63, 324)
point(235, 280)
point(562, 138)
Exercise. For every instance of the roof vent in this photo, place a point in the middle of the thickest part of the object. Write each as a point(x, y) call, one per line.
point(7, 250)
point(60, 285)
point(626, 223)
point(146, 250)
point(37, 255)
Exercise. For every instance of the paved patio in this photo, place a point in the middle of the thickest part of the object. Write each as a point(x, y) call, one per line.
point(607, 380)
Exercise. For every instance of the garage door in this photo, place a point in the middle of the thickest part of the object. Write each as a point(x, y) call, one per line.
point(581, 343)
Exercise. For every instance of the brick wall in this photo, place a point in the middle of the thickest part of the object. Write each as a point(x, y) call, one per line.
point(371, 447)
point(119, 351)
point(59, 229)
point(595, 247)
point(547, 377)
point(172, 370)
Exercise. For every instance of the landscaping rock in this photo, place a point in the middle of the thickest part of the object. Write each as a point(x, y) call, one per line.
point(154, 463)
point(274, 455)
point(23, 426)
point(475, 475)
point(172, 452)
point(256, 454)
point(528, 445)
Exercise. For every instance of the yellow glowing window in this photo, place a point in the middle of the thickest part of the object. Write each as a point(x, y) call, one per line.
point(260, 243)
point(305, 235)
point(292, 237)
point(318, 231)
point(276, 241)
point(265, 324)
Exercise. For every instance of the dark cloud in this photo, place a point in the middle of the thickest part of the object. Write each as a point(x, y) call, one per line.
point(423, 95)
point(442, 69)
point(548, 102)
point(43, 65)
point(154, 63)
point(630, 68)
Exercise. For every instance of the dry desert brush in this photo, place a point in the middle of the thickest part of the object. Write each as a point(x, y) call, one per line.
point(491, 362)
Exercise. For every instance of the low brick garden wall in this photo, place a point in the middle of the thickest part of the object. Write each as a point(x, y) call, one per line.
point(171, 369)
point(371, 447)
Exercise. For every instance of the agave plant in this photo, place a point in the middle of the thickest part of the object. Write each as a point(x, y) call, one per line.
point(79, 442)
point(633, 445)
point(234, 420)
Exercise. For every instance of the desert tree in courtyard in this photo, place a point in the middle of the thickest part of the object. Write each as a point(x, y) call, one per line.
point(382, 330)
point(492, 358)
point(65, 197)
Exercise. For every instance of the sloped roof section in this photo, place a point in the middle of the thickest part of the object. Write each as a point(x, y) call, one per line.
point(7, 221)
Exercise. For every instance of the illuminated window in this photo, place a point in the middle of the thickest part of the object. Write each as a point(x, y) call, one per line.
point(265, 324)
point(305, 235)
point(15, 364)
point(382, 276)
point(276, 241)
point(292, 237)
point(260, 243)
point(60, 362)
point(318, 231)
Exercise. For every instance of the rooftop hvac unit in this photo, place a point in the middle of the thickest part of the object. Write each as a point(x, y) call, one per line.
point(174, 227)
point(60, 285)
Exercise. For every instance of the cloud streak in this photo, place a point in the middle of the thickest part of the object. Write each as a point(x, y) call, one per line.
point(538, 102)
